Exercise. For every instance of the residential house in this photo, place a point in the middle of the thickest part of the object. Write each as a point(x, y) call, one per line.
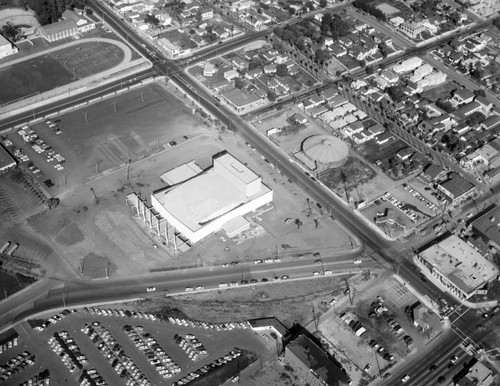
point(390, 76)
point(337, 50)
point(462, 97)
point(491, 122)
point(466, 110)
point(405, 153)
point(239, 63)
point(270, 69)
point(384, 138)
point(206, 13)
point(252, 74)
point(209, 70)
point(231, 74)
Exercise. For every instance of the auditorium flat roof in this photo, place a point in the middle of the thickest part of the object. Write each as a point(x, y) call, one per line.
point(460, 263)
point(181, 173)
point(236, 168)
point(202, 199)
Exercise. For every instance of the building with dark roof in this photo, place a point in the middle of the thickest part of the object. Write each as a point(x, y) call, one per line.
point(434, 172)
point(487, 227)
point(456, 188)
point(320, 368)
point(7, 161)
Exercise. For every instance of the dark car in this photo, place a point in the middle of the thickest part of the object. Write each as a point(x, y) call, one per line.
point(432, 368)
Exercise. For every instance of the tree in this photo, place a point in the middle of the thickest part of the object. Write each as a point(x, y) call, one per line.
point(271, 95)
point(282, 70)
point(323, 3)
point(10, 31)
point(480, 93)
point(151, 19)
point(477, 73)
point(441, 380)
point(238, 83)
point(321, 56)
point(396, 93)
point(49, 11)
point(444, 105)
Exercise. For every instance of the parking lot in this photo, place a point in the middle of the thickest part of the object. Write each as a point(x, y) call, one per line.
point(128, 347)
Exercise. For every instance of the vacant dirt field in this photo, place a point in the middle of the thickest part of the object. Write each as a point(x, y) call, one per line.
point(290, 301)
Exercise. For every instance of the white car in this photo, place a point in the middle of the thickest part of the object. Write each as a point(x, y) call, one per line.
point(357, 261)
point(222, 285)
point(405, 379)
point(151, 289)
point(189, 289)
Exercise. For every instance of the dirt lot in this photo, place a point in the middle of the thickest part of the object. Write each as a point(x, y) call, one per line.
point(96, 231)
point(341, 337)
point(290, 302)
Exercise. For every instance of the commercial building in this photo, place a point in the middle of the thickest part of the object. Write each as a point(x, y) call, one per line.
point(240, 101)
point(474, 373)
point(83, 24)
point(59, 30)
point(456, 188)
point(457, 267)
point(487, 227)
point(6, 160)
point(6, 47)
point(318, 367)
point(203, 204)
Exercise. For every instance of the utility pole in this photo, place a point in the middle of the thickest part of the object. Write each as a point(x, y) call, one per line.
point(86, 117)
point(114, 106)
point(93, 192)
point(315, 320)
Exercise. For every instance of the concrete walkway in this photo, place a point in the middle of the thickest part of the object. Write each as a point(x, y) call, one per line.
point(126, 50)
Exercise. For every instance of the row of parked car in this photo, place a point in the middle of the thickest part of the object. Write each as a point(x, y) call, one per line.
point(65, 346)
point(191, 346)
point(120, 313)
point(16, 365)
point(207, 325)
point(235, 353)
point(91, 377)
point(41, 379)
point(9, 343)
point(154, 353)
point(115, 355)
point(53, 320)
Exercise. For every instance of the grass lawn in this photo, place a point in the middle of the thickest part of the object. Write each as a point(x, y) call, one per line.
point(39, 74)
point(443, 91)
point(89, 58)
